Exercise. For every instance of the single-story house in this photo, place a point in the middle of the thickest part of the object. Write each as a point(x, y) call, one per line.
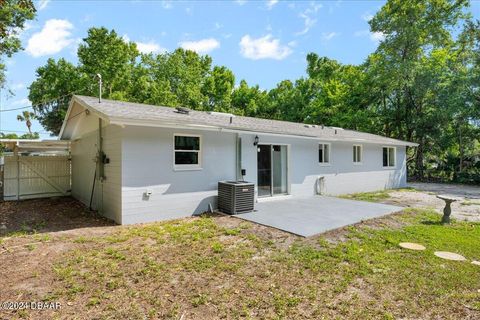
point(138, 163)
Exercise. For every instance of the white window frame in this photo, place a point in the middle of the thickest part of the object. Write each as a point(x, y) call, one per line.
point(357, 163)
point(388, 157)
point(183, 167)
point(329, 154)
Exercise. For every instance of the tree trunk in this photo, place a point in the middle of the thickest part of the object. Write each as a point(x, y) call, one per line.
point(461, 149)
point(419, 160)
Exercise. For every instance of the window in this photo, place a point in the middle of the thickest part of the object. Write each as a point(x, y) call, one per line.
point(187, 152)
point(388, 157)
point(357, 154)
point(324, 153)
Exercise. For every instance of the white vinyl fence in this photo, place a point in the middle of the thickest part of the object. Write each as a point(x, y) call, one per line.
point(28, 177)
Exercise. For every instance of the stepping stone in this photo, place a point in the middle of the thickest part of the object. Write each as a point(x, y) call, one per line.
point(449, 256)
point(411, 246)
point(477, 263)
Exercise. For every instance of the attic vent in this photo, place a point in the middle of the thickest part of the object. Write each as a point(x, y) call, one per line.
point(182, 110)
point(224, 114)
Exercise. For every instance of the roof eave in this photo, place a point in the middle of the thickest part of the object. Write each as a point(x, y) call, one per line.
point(174, 124)
point(84, 105)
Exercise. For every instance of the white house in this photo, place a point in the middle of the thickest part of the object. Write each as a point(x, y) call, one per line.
point(139, 163)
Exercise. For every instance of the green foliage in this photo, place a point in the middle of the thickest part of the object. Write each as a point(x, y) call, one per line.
point(376, 196)
point(366, 275)
point(27, 117)
point(13, 15)
point(421, 85)
point(55, 79)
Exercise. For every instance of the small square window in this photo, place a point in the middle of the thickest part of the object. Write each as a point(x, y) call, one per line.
point(187, 151)
point(388, 157)
point(357, 154)
point(324, 153)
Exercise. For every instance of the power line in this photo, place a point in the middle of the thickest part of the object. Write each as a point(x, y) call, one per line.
point(27, 107)
point(20, 131)
point(45, 101)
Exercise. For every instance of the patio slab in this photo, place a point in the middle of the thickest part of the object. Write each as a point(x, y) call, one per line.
point(308, 216)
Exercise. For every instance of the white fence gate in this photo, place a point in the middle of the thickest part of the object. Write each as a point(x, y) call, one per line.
point(28, 177)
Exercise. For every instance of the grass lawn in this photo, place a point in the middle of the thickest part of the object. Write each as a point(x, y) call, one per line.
point(204, 268)
point(375, 196)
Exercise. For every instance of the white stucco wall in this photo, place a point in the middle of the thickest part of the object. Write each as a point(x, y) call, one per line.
point(107, 194)
point(341, 175)
point(147, 164)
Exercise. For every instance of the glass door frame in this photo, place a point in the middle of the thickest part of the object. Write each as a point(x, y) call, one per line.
point(287, 164)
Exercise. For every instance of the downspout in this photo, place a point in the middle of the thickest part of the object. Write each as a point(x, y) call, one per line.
point(100, 161)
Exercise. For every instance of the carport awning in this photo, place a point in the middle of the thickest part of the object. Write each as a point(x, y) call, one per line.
point(31, 145)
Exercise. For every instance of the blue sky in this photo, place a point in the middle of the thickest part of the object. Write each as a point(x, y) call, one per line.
point(262, 42)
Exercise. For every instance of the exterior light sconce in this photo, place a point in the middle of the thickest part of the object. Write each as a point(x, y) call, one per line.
point(255, 141)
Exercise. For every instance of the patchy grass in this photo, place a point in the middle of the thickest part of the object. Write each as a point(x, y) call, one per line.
point(200, 268)
point(375, 196)
point(470, 203)
point(368, 196)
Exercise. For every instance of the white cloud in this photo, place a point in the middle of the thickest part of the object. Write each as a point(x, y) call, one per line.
point(200, 46)
point(17, 86)
point(42, 4)
point(271, 3)
point(263, 48)
point(329, 35)
point(21, 102)
point(167, 4)
point(241, 2)
point(377, 36)
point(53, 38)
point(145, 47)
point(308, 20)
point(149, 47)
point(367, 16)
point(374, 36)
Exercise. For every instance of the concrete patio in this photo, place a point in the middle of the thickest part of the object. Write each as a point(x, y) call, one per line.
point(308, 216)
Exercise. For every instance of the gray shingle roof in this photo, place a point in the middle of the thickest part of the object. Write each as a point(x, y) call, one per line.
point(121, 112)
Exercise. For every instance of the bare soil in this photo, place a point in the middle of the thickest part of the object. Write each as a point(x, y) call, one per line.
point(467, 208)
point(43, 241)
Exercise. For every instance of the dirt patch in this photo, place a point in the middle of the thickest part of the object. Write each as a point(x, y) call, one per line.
point(224, 267)
point(47, 215)
point(466, 209)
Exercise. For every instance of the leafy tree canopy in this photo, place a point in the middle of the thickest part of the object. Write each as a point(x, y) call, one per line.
point(13, 15)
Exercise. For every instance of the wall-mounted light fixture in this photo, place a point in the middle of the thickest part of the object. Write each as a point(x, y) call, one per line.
point(255, 141)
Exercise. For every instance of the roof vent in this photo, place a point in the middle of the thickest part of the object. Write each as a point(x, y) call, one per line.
point(182, 110)
point(224, 114)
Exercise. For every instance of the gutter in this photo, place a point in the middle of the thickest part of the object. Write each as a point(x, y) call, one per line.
point(176, 125)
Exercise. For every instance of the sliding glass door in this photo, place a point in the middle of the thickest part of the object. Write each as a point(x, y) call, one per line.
point(272, 170)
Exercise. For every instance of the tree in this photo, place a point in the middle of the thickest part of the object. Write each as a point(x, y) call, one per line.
point(218, 89)
point(13, 15)
point(27, 117)
point(413, 32)
point(104, 52)
point(250, 101)
point(180, 78)
point(50, 93)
